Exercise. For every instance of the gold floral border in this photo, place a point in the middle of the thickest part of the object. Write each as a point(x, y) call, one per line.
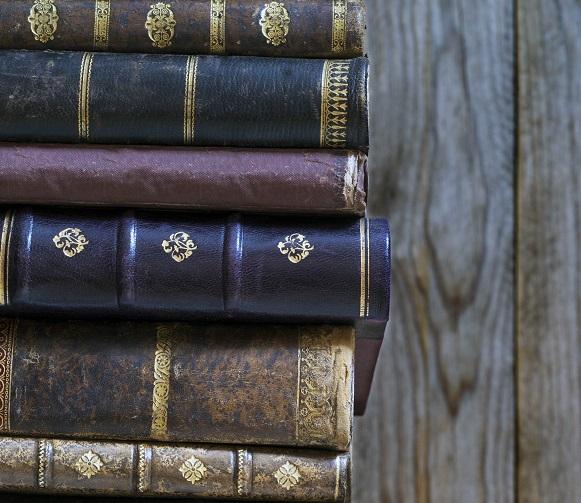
point(161, 382)
point(7, 340)
point(101, 29)
point(339, 33)
point(334, 103)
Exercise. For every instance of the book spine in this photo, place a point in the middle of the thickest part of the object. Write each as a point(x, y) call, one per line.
point(181, 266)
point(297, 28)
point(193, 471)
point(183, 100)
point(261, 180)
point(176, 382)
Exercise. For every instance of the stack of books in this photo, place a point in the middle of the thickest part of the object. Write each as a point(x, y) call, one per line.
point(192, 298)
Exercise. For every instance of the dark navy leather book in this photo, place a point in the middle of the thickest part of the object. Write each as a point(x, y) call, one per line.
point(183, 100)
point(183, 266)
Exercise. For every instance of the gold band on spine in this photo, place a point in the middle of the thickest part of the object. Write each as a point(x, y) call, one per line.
point(143, 467)
point(42, 463)
point(190, 100)
point(334, 103)
point(84, 94)
point(218, 26)
point(364, 277)
point(4, 255)
point(241, 472)
point(161, 374)
point(7, 339)
point(339, 39)
point(101, 30)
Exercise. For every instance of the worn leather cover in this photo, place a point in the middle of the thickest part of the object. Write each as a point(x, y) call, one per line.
point(193, 471)
point(258, 180)
point(178, 266)
point(183, 100)
point(241, 384)
point(323, 28)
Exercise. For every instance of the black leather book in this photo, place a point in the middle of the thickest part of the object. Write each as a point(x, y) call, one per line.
point(171, 265)
point(183, 100)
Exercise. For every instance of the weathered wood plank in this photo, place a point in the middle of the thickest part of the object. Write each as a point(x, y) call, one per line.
point(549, 251)
point(440, 423)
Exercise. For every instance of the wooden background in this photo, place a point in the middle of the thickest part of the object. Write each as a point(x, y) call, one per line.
point(476, 160)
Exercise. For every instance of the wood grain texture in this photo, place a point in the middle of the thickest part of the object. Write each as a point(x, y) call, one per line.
point(440, 423)
point(549, 244)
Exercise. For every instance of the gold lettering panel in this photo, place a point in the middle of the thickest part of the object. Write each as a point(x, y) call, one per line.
point(7, 340)
point(364, 277)
point(218, 26)
point(101, 30)
point(161, 377)
point(334, 103)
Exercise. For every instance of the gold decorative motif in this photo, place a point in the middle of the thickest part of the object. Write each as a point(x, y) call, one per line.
point(101, 30)
point(179, 245)
point(364, 289)
point(141, 468)
point(84, 95)
point(241, 480)
point(161, 369)
point(160, 24)
point(190, 100)
point(296, 247)
point(218, 26)
point(339, 37)
point(193, 470)
point(334, 103)
point(275, 21)
point(43, 20)
point(71, 241)
point(316, 418)
point(89, 464)
point(287, 475)
point(7, 339)
point(4, 256)
point(42, 463)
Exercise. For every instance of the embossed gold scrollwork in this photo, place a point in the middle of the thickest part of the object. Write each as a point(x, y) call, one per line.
point(179, 246)
point(161, 369)
point(275, 21)
point(296, 247)
point(43, 20)
point(101, 29)
point(7, 340)
point(193, 470)
point(287, 475)
point(160, 24)
point(339, 34)
point(71, 241)
point(218, 26)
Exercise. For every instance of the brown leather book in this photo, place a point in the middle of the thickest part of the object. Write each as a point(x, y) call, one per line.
point(298, 28)
point(236, 384)
point(51, 466)
point(322, 181)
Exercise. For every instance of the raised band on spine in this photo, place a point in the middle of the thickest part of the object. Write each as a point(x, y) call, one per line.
point(84, 94)
point(4, 255)
point(218, 26)
point(101, 29)
point(190, 100)
point(334, 103)
point(7, 339)
point(161, 375)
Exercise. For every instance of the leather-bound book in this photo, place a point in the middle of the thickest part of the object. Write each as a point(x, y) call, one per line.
point(280, 385)
point(324, 181)
point(192, 471)
point(299, 28)
point(183, 100)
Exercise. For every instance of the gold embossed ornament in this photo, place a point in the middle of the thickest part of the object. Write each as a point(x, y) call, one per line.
point(179, 246)
point(296, 247)
point(160, 24)
point(193, 470)
point(287, 475)
point(43, 20)
point(275, 21)
point(89, 464)
point(71, 241)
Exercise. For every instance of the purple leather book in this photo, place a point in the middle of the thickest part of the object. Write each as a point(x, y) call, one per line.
point(264, 180)
point(185, 266)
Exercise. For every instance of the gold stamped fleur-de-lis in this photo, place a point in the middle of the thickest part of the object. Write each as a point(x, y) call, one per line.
point(43, 20)
point(179, 246)
point(296, 247)
point(71, 241)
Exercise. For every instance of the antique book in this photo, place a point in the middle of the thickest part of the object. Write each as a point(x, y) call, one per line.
point(298, 28)
point(183, 100)
point(55, 466)
point(252, 180)
point(142, 381)
point(181, 266)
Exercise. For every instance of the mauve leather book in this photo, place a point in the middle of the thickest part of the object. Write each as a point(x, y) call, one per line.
point(299, 28)
point(324, 181)
point(193, 471)
point(283, 385)
point(169, 99)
